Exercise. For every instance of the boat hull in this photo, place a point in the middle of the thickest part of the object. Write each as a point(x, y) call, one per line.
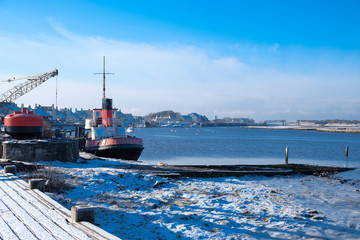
point(121, 148)
point(121, 152)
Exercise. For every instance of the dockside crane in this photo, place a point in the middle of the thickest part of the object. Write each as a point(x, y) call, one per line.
point(25, 87)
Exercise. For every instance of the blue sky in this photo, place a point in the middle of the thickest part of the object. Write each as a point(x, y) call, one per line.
point(258, 59)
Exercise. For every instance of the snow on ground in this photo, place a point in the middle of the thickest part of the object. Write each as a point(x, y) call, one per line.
point(135, 205)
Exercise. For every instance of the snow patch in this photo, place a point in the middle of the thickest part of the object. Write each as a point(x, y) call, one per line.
point(137, 205)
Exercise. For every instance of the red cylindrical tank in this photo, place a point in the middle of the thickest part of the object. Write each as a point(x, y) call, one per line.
point(23, 124)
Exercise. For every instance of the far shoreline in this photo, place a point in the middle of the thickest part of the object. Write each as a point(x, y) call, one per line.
point(334, 129)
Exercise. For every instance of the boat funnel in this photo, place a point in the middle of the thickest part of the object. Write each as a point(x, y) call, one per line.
point(107, 118)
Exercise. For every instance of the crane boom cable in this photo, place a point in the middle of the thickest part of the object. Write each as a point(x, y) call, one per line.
point(21, 78)
point(56, 93)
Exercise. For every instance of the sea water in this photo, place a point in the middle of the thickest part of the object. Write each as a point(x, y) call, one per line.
point(236, 145)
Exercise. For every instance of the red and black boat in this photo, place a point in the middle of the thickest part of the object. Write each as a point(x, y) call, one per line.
point(106, 138)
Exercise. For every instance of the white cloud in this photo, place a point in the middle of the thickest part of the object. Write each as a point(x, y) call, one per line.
point(150, 77)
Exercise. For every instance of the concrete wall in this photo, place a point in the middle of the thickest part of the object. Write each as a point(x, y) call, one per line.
point(41, 150)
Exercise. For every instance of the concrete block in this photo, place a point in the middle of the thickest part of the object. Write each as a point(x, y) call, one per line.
point(10, 169)
point(37, 183)
point(82, 213)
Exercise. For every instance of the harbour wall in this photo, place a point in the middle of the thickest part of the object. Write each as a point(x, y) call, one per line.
point(41, 150)
point(345, 129)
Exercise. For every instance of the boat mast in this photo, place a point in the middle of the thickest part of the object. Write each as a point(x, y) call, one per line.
point(104, 73)
point(104, 80)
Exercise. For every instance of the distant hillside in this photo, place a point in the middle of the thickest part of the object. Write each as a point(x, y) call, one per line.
point(163, 114)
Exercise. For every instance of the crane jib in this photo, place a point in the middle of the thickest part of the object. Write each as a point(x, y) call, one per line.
point(25, 87)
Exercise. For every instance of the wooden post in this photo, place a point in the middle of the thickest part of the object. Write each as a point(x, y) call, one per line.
point(347, 151)
point(37, 183)
point(286, 155)
point(10, 169)
point(82, 213)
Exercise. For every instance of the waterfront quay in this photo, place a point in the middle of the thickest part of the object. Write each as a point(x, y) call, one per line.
point(335, 129)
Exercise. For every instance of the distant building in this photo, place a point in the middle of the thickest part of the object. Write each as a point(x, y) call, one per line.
point(118, 117)
point(83, 114)
point(9, 108)
point(59, 116)
point(139, 122)
point(42, 113)
point(186, 118)
point(197, 118)
point(128, 120)
point(71, 117)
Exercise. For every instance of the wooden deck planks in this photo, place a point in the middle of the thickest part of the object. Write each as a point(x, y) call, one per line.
point(19, 204)
point(58, 223)
point(39, 222)
point(7, 222)
point(30, 214)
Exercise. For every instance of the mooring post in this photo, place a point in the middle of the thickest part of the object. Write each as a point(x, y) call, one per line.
point(10, 169)
point(37, 183)
point(286, 155)
point(347, 151)
point(82, 213)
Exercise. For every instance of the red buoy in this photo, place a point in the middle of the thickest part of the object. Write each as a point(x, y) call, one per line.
point(23, 124)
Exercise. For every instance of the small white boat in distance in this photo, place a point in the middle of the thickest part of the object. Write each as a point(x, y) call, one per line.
point(129, 130)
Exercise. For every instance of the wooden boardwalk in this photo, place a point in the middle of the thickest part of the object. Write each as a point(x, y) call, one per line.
point(30, 214)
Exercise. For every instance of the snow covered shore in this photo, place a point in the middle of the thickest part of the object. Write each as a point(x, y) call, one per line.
point(135, 205)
